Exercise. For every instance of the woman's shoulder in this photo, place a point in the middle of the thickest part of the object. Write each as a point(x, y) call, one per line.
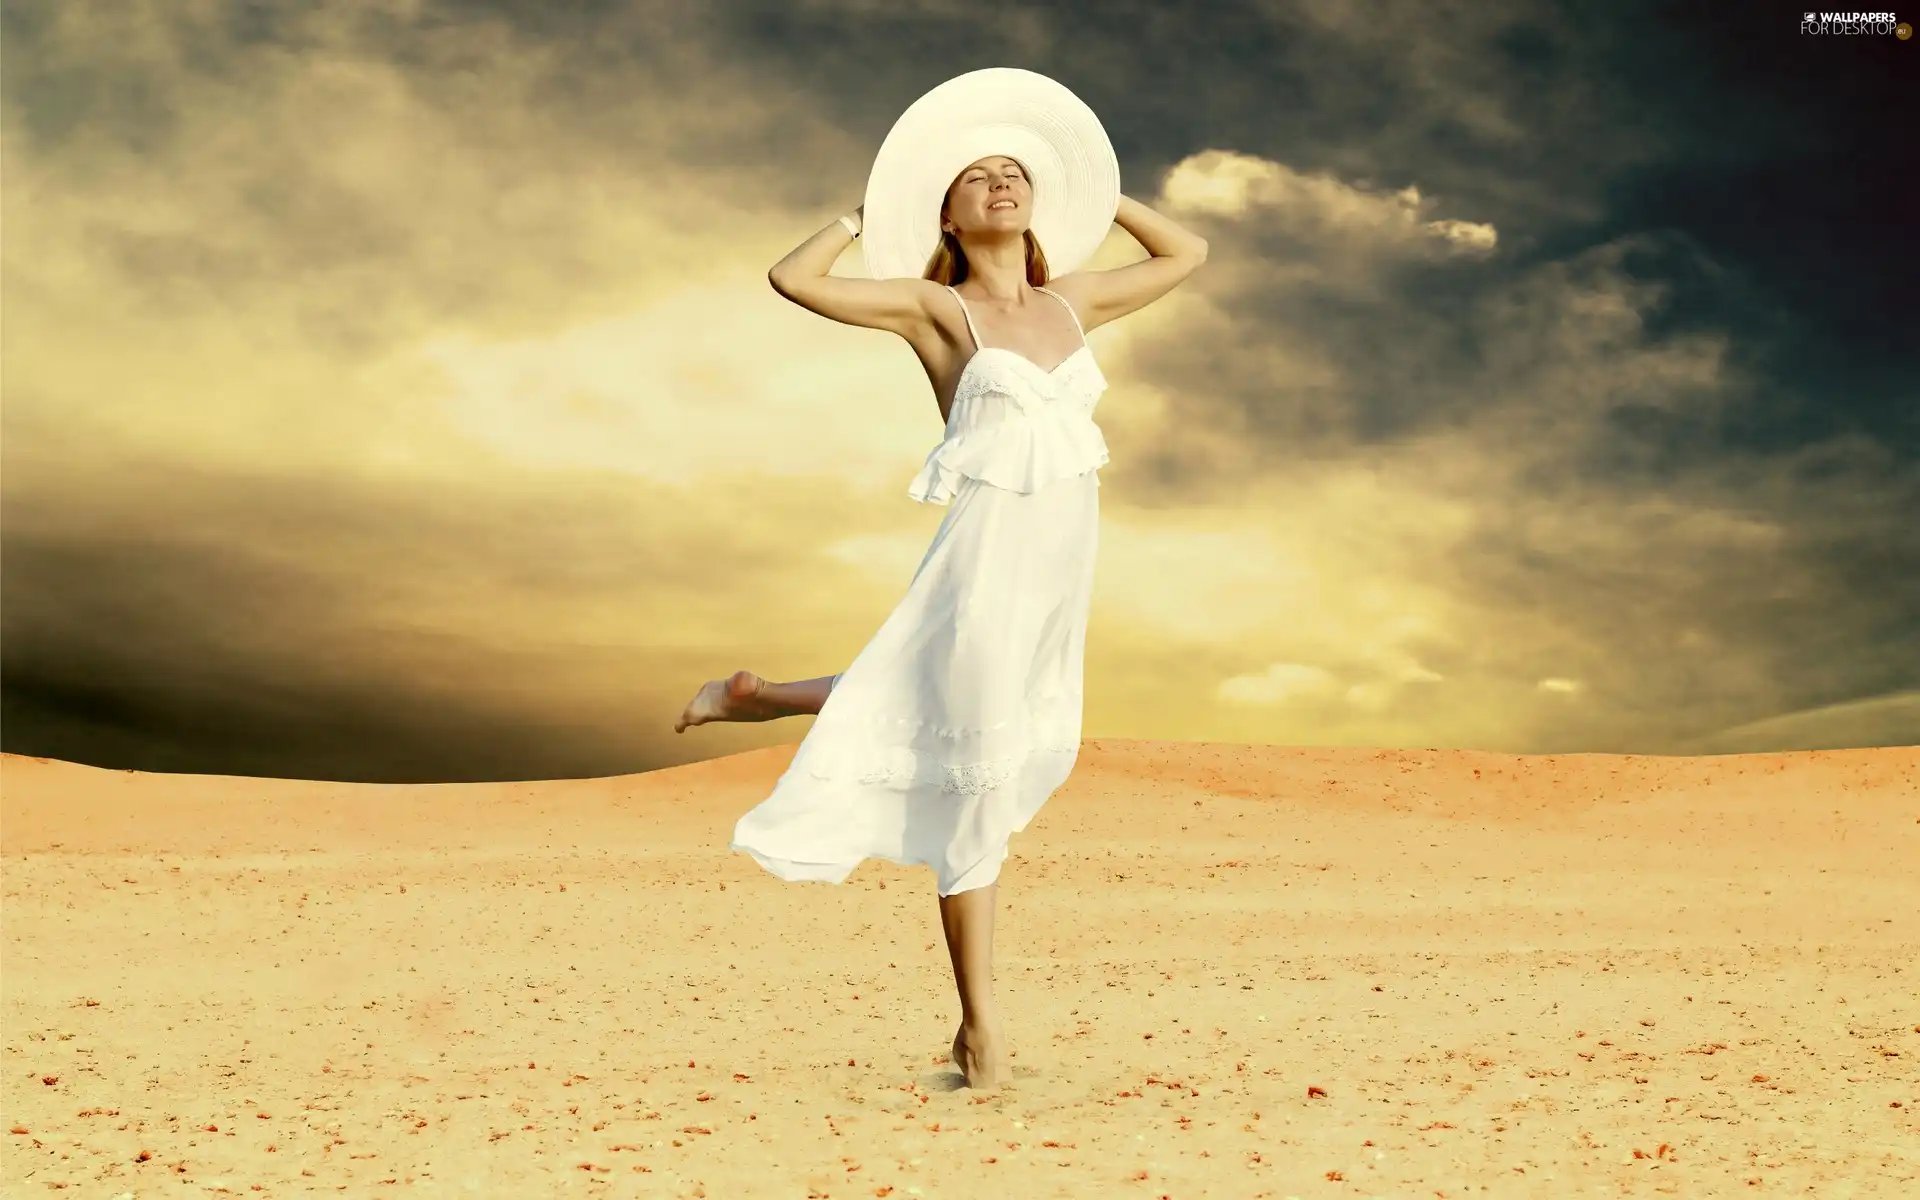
point(1072, 288)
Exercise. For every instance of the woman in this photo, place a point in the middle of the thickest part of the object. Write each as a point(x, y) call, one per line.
point(953, 726)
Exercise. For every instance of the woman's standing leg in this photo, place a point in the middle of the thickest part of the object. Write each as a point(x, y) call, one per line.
point(744, 696)
point(980, 1048)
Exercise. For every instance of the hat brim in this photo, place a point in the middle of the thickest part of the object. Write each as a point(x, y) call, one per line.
point(999, 110)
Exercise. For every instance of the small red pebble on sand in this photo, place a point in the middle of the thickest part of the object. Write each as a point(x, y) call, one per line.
point(1759, 1078)
point(49, 1080)
point(1335, 1176)
point(739, 1077)
point(1315, 1091)
point(23, 1128)
point(1895, 1104)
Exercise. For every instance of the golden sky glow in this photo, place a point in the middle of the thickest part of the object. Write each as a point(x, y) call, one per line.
point(433, 386)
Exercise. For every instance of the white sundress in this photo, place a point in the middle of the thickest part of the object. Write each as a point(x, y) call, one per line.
point(961, 717)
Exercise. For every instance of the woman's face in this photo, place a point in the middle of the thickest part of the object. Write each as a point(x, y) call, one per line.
point(991, 196)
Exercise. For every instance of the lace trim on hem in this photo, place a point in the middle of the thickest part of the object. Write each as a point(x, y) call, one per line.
point(902, 767)
point(1075, 699)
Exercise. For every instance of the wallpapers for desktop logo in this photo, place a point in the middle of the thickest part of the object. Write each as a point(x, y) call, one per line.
point(1855, 23)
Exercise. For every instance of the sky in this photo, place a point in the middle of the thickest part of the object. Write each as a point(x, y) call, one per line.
point(393, 390)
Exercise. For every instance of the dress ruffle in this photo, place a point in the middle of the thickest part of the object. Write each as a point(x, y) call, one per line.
point(1022, 453)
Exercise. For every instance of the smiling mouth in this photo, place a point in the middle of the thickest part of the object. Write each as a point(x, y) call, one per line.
point(1002, 204)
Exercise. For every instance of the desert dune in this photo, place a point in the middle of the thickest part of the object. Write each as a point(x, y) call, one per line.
point(1227, 971)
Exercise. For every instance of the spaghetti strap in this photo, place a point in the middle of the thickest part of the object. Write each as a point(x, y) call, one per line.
point(1070, 312)
point(971, 331)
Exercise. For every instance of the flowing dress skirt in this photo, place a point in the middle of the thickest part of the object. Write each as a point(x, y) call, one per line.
point(962, 716)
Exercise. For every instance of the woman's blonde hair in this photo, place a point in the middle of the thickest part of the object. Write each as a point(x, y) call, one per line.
point(949, 262)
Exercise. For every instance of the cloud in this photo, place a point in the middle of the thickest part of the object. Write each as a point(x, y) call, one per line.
point(1890, 720)
point(680, 391)
point(1551, 412)
point(1279, 683)
point(1224, 184)
point(367, 173)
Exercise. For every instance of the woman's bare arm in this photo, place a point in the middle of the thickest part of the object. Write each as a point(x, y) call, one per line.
point(1102, 296)
point(895, 305)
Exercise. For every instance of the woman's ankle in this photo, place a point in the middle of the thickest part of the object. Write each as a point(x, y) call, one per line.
point(984, 1023)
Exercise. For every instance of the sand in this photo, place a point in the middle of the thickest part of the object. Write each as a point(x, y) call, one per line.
point(1227, 972)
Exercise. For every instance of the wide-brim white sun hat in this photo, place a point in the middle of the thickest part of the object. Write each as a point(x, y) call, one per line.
point(1000, 110)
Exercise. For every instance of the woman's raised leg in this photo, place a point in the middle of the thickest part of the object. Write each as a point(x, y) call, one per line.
point(744, 696)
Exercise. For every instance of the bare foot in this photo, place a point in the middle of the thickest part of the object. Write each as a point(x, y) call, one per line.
point(981, 1055)
point(735, 698)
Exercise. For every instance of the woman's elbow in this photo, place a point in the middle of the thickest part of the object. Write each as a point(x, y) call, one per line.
point(792, 288)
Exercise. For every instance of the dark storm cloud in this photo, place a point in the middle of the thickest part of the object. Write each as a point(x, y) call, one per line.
point(1696, 310)
point(1632, 528)
point(407, 166)
point(1503, 105)
point(415, 631)
point(1724, 136)
point(1746, 592)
